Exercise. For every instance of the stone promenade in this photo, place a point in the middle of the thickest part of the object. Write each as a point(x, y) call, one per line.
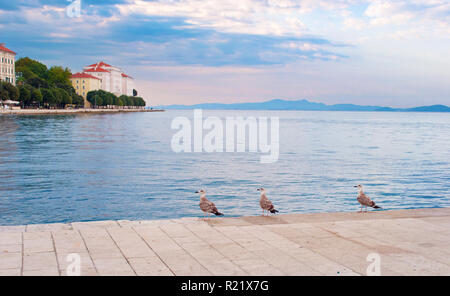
point(408, 242)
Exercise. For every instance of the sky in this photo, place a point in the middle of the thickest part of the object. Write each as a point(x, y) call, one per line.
point(368, 52)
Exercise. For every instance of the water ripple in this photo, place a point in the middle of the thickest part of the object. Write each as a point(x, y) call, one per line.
point(121, 166)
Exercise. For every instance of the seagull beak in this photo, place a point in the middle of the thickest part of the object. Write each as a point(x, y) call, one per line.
point(355, 186)
point(199, 192)
point(258, 189)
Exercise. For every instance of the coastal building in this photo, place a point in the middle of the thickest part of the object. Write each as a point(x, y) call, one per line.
point(113, 79)
point(84, 83)
point(7, 64)
point(127, 84)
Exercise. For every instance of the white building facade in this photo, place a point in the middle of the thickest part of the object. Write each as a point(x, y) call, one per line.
point(7, 64)
point(113, 79)
point(127, 84)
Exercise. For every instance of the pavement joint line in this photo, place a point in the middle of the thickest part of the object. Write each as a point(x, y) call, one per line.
point(406, 250)
point(121, 252)
point(23, 254)
point(211, 246)
point(248, 250)
point(56, 253)
point(159, 257)
point(315, 252)
point(413, 242)
point(87, 249)
point(283, 251)
point(195, 259)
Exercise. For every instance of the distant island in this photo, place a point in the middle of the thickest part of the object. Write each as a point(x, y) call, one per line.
point(303, 105)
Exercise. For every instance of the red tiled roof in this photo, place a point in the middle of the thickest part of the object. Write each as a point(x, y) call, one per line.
point(96, 70)
point(125, 75)
point(83, 75)
point(3, 48)
point(100, 64)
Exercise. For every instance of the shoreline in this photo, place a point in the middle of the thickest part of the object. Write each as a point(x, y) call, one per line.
point(360, 111)
point(72, 111)
point(408, 242)
point(307, 217)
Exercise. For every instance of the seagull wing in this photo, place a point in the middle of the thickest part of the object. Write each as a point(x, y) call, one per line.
point(205, 205)
point(209, 207)
point(365, 200)
point(266, 204)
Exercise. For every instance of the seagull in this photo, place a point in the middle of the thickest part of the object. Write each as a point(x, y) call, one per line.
point(364, 200)
point(265, 203)
point(207, 206)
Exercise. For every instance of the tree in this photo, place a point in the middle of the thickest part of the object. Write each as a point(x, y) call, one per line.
point(58, 76)
point(37, 82)
point(31, 68)
point(26, 73)
point(77, 100)
point(98, 100)
point(36, 96)
point(8, 91)
point(108, 100)
point(141, 102)
point(13, 92)
point(57, 97)
point(25, 95)
point(125, 100)
point(68, 88)
point(47, 96)
point(4, 94)
point(93, 96)
point(90, 97)
point(135, 93)
point(103, 98)
point(65, 98)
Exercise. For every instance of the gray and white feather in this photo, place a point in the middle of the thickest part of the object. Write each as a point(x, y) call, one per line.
point(265, 203)
point(364, 200)
point(206, 205)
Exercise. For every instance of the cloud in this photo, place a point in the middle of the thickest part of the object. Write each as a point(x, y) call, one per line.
point(270, 17)
point(172, 32)
point(227, 37)
point(413, 13)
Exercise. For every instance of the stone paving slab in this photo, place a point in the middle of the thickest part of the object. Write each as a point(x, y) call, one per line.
point(407, 242)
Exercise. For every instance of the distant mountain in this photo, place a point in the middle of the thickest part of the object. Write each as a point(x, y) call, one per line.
point(303, 105)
